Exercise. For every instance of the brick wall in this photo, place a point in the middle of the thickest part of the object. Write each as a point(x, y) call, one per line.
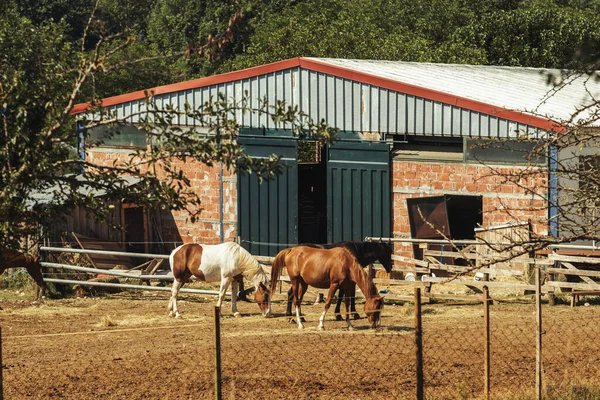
point(175, 225)
point(503, 202)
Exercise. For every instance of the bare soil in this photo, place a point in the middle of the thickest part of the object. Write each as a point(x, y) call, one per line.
point(124, 346)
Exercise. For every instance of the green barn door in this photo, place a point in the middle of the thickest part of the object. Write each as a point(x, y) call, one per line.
point(268, 211)
point(358, 191)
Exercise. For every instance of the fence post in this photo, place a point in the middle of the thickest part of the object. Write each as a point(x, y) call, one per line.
point(540, 332)
point(1, 368)
point(419, 344)
point(217, 315)
point(486, 349)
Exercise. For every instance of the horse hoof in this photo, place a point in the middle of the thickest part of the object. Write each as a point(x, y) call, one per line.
point(300, 326)
point(321, 328)
point(356, 316)
point(338, 317)
point(350, 328)
point(237, 315)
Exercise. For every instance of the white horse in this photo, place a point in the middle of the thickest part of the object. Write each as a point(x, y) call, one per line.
point(226, 262)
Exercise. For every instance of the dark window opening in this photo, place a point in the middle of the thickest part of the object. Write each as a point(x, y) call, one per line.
point(135, 226)
point(117, 136)
point(427, 148)
point(519, 152)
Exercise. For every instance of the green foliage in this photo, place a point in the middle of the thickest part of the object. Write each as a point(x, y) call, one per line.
point(44, 75)
point(55, 54)
point(18, 280)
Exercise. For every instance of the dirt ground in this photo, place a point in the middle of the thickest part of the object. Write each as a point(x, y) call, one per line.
point(124, 346)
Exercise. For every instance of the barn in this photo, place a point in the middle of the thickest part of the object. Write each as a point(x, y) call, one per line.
point(407, 130)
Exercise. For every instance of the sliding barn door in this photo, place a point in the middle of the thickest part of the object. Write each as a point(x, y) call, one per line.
point(268, 210)
point(359, 195)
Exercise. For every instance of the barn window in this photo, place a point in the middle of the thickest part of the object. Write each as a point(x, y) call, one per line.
point(117, 136)
point(428, 148)
point(515, 152)
point(469, 150)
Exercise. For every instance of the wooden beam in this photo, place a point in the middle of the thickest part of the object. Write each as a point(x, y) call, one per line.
point(585, 260)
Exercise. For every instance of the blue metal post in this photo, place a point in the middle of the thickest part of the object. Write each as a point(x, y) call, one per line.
point(553, 191)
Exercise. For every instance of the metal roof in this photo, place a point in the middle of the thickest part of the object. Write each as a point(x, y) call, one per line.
point(512, 88)
point(392, 96)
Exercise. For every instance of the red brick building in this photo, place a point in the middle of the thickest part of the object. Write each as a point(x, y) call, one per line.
point(408, 130)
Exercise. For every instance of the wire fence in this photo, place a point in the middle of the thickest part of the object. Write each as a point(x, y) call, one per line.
point(365, 363)
point(272, 358)
point(496, 349)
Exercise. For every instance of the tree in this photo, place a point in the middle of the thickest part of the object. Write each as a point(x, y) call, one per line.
point(44, 76)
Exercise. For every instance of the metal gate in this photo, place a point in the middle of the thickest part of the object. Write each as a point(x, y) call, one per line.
point(358, 191)
point(268, 211)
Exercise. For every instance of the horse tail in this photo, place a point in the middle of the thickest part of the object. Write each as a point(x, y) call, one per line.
point(278, 264)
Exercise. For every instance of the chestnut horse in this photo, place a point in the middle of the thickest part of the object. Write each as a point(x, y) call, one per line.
point(16, 259)
point(365, 253)
point(226, 263)
point(331, 269)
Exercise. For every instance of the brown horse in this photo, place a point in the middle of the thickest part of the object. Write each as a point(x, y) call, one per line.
point(16, 259)
point(331, 269)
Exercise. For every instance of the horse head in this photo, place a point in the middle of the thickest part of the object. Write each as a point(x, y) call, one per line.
point(373, 307)
point(262, 298)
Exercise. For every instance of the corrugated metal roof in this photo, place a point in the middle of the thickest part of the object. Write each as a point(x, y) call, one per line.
point(513, 88)
point(391, 96)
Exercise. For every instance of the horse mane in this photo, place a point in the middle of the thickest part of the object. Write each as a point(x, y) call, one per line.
point(361, 277)
point(251, 269)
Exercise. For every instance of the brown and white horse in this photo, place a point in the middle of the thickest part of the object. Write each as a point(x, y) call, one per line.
point(226, 263)
point(16, 259)
point(331, 269)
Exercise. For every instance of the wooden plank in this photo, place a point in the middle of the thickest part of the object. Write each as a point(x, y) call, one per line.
point(422, 263)
point(102, 261)
point(450, 254)
point(585, 260)
point(578, 272)
point(572, 268)
point(572, 285)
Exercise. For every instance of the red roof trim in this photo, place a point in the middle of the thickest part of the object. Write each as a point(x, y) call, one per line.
point(341, 72)
point(195, 83)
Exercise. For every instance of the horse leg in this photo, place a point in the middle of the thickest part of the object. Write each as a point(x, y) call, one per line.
point(338, 304)
point(173, 310)
point(35, 271)
point(330, 295)
point(299, 290)
point(225, 281)
point(290, 301)
point(352, 297)
point(347, 305)
point(234, 291)
point(288, 310)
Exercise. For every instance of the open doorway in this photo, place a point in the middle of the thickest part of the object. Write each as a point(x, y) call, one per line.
point(135, 225)
point(312, 194)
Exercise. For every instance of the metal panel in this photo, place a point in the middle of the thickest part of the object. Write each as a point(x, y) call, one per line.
point(344, 103)
point(268, 210)
point(359, 195)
